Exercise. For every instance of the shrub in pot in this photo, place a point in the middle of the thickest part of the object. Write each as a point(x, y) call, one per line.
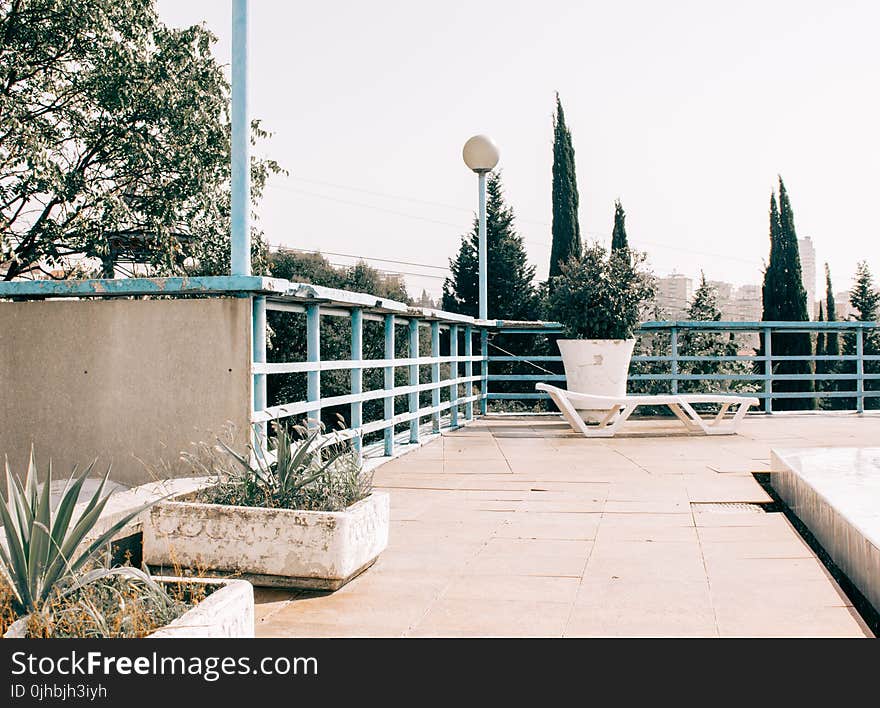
point(599, 297)
point(301, 513)
point(53, 584)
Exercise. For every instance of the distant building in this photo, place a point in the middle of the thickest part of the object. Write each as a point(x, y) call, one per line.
point(842, 307)
point(674, 293)
point(808, 273)
point(424, 300)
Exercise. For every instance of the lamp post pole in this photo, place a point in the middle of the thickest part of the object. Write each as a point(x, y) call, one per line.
point(484, 279)
point(481, 154)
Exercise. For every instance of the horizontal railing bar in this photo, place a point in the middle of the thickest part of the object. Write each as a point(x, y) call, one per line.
point(526, 377)
point(294, 367)
point(288, 409)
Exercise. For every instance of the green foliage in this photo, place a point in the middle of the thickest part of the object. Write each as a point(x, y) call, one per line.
point(42, 553)
point(565, 228)
point(704, 308)
point(600, 295)
point(865, 299)
point(114, 140)
point(618, 235)
point(786, 300)
point(510, 287)
point(298, 473)
point(287, 331)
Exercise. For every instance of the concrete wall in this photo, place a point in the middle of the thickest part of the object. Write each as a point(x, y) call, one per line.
point(121, 380)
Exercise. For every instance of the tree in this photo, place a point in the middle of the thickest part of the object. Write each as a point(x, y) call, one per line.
point(618, 235)
point(114, 139)
point(865, 299)
point(565, 228)
point(511, 291)
point(864, 296)
point(785, 300)
point(828, 344)
point(702, 343)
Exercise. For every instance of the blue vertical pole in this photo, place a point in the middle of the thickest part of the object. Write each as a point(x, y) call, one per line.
point(258, 338)
point(435, 376)
point(860, 370)
point(484, 370)
point(768, 370)
point(389, 384)
point(453, 374)
point(240, 256)
point(357, 374)
point(469, 371)
point(414, 379)
point(673, 345)
point(484, 301)
point(313, 350)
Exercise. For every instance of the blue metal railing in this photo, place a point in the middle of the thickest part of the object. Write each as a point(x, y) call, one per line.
point(440, 390)
point(840, 371)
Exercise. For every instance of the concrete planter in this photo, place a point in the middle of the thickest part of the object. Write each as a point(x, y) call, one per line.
point(597, 367)
point(270, 547)
point(228, 612)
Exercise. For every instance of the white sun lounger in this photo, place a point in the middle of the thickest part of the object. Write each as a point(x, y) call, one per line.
point(618, 409)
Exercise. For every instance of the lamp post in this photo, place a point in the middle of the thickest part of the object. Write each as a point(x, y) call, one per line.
point(481, 155)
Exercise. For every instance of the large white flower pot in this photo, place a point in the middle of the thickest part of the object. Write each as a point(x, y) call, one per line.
point(597, 367)
point(270, 547)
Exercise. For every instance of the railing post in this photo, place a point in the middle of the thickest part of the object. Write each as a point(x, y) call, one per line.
point(435, 376)
point(389, 384)
point(453, 374)
point(673, 344)
point(860, 370)
point(414, 379)
point(258, 338)
point(313, 349)
point(469, 371)
point(357, 374)
point(768, 370)
point(484, 370)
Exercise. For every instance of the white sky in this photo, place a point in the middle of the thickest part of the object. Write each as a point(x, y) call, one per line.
point(686, 110)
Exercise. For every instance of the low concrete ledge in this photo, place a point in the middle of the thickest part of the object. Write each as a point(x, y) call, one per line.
point(835, 492)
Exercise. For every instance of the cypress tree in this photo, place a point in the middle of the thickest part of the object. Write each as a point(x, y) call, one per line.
point(821, 366)
point(832, 339)
point(566, 229)
point(619, 241)
point(785, 300)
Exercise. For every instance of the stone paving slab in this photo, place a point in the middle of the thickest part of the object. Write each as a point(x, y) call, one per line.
point(516, 527)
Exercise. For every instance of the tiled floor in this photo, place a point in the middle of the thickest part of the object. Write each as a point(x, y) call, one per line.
point(516, 527)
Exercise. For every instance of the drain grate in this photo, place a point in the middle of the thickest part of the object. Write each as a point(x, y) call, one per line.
point(728, 508)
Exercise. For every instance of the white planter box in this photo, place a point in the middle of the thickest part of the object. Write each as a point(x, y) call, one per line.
point(596, 367)
point(271, 547)
point(228, 612)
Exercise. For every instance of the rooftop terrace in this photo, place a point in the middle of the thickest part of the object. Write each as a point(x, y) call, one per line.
point(513, 526)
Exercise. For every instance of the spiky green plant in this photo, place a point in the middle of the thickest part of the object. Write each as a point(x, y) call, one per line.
point(302, 472)
point(42, 554)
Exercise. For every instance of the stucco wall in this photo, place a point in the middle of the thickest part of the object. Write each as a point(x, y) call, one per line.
point(125, 381)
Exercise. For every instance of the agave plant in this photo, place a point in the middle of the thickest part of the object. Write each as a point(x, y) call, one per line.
point(42, 554)
point(302, 472)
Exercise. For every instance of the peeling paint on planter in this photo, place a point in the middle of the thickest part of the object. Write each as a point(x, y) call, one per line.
point(270, 547)
point(228, 612)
